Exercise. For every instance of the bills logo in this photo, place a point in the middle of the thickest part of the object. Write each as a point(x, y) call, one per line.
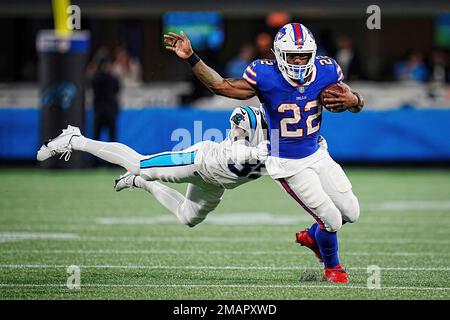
point(280, 34)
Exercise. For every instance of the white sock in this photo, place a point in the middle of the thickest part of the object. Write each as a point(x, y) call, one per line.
point(168, 197)
point(112, 152)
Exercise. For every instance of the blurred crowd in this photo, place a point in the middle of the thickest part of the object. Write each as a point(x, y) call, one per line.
point(431, 67)
point(107, 73)
point(123, 66)
point(414, 66)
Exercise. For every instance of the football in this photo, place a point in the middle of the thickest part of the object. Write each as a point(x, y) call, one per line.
point(323, 94)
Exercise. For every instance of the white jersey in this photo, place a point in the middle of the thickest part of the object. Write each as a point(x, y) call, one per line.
point(215, 160)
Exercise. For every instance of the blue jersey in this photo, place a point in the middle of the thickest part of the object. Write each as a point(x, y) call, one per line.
point(293, 113)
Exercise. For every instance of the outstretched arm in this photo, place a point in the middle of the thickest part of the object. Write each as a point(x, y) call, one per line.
point(229, 87)
point(349, 99)
point(242, 151)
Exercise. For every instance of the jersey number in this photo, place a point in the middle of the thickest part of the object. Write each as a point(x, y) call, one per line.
point(295, 108)
point(245, 170)
point(324, 60)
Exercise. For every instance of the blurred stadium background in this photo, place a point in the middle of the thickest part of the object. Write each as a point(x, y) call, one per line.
point(402, 70)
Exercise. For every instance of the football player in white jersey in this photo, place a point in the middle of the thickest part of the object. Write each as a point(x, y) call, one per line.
point(208, 167)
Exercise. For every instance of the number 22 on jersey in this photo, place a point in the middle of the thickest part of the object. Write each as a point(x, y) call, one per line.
point(295, 108)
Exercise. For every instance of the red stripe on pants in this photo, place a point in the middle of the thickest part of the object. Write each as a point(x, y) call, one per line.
point(296, 198)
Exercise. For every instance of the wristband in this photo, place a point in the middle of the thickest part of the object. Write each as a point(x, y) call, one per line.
point(360, 99)
point(193, 59)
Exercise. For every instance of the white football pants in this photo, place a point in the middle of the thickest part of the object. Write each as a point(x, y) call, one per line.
point(324, 191)
point(177, 167)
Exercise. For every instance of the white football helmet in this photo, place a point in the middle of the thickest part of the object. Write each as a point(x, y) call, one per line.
point(294, 38)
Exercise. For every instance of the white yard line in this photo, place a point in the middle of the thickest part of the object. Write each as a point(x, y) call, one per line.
point(213, 252)
point(263, 239)
point(407, 205)
point(204, 267)
point(11, 285)
point(20, 236)
point(235, 218)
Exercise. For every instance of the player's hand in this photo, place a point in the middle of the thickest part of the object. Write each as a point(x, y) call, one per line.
point(180, 44)
point(346, 99)
point(261, 151)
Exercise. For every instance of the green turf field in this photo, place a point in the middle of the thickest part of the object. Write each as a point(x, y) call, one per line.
point(127, 246)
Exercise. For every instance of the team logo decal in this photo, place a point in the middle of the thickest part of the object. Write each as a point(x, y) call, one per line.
point(61, 95)
point(280, 34)
point(237, 118)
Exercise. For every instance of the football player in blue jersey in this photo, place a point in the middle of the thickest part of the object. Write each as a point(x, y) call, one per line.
point(289, 89)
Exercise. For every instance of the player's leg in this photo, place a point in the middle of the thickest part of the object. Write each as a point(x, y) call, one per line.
point(305, 187)
point(175, 167)
point(190, 209)
point(167, 166)
point(112, 152)
point(200, 200)
point(338, 187)
point(72, 139)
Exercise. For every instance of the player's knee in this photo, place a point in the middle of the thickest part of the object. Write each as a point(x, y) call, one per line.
point(333, 225)
point(192, 221)
point(351, 209)
point(190, 215)
point(330, 216)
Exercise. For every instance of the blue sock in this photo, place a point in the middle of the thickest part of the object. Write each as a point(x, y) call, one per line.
point(312, 231)
point(328, 245)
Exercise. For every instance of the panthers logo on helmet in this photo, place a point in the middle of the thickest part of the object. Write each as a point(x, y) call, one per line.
point(237, 118)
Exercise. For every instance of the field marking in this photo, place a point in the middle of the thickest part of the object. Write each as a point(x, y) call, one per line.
point(402, 205)
point(211, 252)
point(204, 267)
point(340, 286)
point(235, 218)
point(19, 236)
point(252, 239)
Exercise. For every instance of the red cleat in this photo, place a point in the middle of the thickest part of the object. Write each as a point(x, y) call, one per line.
point(336, 274)
point(304, 239)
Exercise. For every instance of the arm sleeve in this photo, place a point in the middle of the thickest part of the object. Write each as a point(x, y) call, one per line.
point(338, 71)
point(241, 152)
point(250, 73)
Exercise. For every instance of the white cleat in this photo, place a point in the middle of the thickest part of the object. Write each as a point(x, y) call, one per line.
point(59, 145)
point(125, 181)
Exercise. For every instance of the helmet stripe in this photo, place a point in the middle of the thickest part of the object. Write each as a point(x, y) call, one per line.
point(295, 32)
point(298, 33)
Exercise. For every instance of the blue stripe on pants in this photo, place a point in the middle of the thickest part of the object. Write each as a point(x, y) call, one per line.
point(169, 160)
